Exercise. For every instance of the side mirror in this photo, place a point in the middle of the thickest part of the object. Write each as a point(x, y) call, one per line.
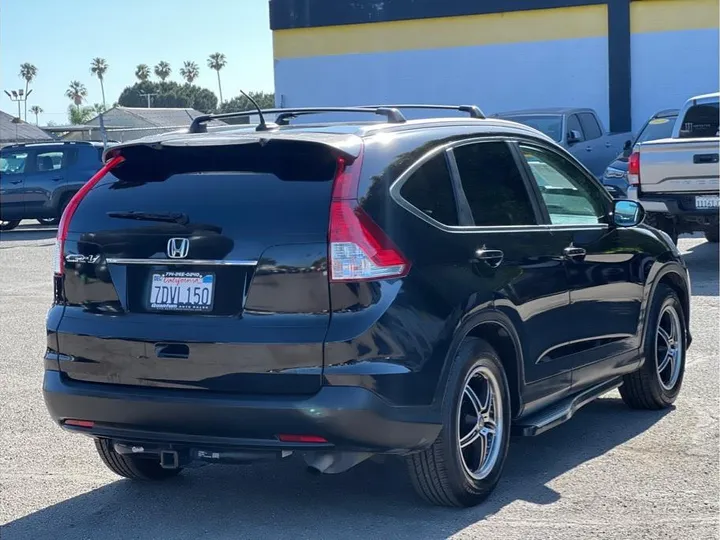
point(574, 136)
point(628, 145)
point(627, 213)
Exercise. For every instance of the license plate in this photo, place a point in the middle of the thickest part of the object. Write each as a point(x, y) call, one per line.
point(182, 291)
point(707, 201)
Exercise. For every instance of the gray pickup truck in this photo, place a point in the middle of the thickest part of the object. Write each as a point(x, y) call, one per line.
point(580, 131)
point(677, 179)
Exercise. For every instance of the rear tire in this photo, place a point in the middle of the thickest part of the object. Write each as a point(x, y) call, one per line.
point(132, 467)
point(48, 222)
point(711, 235)
point(660, 222)
point(464, 464)
point(9, 225)
point(652, 386)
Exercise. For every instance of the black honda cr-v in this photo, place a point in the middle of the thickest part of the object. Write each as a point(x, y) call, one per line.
point(421, 288)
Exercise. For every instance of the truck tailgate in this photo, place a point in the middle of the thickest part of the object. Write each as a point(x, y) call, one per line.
point(677, 165)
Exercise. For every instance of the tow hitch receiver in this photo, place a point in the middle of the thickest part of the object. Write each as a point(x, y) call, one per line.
point(169, 459)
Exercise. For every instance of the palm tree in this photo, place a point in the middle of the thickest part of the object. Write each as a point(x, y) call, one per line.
point(99, 67)
point(35, 109)
point(76, 92)
point(217, 61)
point(27, 72)
point(163, 70)
point(142, 72)
point(98, 108)
point(190, 71)
point(80, 115)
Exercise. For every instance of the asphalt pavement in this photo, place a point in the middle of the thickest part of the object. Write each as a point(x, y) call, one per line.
point(608, 473)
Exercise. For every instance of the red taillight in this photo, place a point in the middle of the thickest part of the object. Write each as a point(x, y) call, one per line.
point(634, 169)
point(80, 423)
point(70, 209)
point(359, 249)
point(301, 438)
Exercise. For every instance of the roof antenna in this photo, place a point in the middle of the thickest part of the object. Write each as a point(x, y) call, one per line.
point(262, 126)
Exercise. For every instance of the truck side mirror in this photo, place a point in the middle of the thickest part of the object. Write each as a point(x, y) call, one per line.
point(574, 136)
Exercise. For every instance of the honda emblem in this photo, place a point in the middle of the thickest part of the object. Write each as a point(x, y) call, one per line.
point(177, 248)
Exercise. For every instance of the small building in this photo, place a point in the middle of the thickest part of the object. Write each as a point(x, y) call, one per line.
point(626, 59)
point(13, 130)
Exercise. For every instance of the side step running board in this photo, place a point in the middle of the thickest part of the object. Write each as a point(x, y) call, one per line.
point(561, 412)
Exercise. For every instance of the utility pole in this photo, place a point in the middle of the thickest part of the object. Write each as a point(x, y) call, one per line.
point(148, 96)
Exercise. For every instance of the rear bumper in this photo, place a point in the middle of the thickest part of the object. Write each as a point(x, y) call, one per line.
point(349, 418)
point(680, 206)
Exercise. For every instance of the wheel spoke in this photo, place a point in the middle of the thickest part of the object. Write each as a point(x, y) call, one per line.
point(472, 436)
point(664, 335)
point(668, 358)
point(474, 400)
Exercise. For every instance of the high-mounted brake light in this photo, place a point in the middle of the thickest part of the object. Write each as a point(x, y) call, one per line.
point(634, 169)
point(70, 209)
point(301, 438)
point(359, 250)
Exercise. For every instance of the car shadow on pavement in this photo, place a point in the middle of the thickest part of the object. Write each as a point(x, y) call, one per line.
point(703, 261)
point(26, 234)
point(284, 501)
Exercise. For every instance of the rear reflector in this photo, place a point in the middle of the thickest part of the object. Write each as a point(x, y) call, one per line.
point(70, 209)
point(359, 249)
point(79, 423)
point(301, 438)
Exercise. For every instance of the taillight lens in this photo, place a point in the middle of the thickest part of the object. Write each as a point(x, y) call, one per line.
point(634, 169)
point(70, 209)
point(359, 250)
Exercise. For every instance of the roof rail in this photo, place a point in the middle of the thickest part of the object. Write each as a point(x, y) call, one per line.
point(393, 115)
point(54, 142)
point(473, 110)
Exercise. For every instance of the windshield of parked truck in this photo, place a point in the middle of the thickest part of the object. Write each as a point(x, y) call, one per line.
point(657, 128)
point(550, 125)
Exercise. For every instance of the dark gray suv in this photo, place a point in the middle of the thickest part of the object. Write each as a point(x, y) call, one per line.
point(38, 180)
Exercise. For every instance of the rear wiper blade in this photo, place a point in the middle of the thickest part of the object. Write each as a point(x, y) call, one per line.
point(147, 216)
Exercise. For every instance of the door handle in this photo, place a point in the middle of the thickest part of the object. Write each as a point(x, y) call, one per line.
point(574, 253)
point(492, 257)
point(16, 181)
point(588, 148)
point(705, 158)
point(57, 178)
point(172, 350)
point(608, 144)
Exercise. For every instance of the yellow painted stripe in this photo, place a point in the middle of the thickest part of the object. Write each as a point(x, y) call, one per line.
point(673, 15)
point(513, 27)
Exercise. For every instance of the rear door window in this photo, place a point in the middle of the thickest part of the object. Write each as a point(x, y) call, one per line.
point(430, 190)
point(49, 161)
point(591, 128)
point(493, 185)
point(701, 121)
point(569, 196)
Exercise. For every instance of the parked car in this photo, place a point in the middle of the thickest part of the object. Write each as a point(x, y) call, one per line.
point(38, 180)
point(658, 126)
point(578, 130)
point(417, 288)
point(677, 179)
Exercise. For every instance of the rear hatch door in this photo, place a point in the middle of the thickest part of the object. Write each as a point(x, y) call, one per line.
point(203, 267)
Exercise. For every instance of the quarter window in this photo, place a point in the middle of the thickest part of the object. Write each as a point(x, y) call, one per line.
point(493, 185)
point(430, 190)
point(570, 198)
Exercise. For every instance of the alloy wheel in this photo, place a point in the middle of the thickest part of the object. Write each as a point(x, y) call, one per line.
point(669, 348)
point(480, 423)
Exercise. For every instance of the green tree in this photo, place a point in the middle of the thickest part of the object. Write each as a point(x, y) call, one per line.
point(163, 70)
point(142, 72)
point(28, 72)
point(98, 108)
point(99, 67)
point(76, 92)
point(80, 115)
point(190, 71)
point(36, 110)
point(266, 100)
point(169, 94)
point(217, 61)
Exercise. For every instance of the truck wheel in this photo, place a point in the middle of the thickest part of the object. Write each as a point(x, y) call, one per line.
point(663, 224)
point(9, 225)
point(711, 235)
point(133, 467)
point(657, 383)
point(48, 221)
point(463, 465)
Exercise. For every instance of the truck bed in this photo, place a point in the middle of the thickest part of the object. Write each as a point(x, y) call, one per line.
point(680, 165)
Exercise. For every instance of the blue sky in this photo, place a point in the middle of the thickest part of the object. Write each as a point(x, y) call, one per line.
point(62, 37)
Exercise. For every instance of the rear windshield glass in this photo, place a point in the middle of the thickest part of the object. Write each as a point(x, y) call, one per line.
point(287, 160)
point(550, 125)
point(701, 121)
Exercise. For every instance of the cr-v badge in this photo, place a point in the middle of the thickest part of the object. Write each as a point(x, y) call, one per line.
point(177, 248)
